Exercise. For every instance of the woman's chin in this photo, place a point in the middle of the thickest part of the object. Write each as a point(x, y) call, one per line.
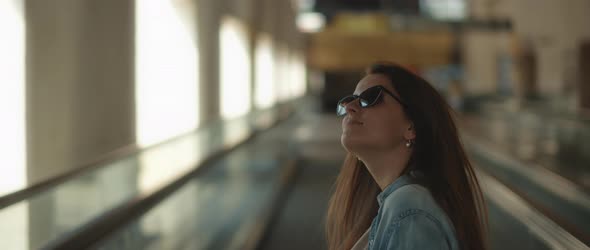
point(350, 143)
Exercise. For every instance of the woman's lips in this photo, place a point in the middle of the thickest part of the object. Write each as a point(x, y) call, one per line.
point(353, 122)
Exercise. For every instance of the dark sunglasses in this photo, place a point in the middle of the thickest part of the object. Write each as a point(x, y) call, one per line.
point(367, 98)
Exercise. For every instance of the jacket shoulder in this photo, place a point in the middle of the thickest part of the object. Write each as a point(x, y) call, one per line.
point(411, 211)
point(408, 199)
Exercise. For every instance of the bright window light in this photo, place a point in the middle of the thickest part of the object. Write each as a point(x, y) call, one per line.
point(292, 71)
point(264, 96)
point(283, 79)
point(445, 9)
point(13, 228)
point(310, 22)
point(302, 73)
point(298, 75)
point(166, 70)
point(12, 97)
point(234, 69)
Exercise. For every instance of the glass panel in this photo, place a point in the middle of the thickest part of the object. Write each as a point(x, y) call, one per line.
point(215, 210)
point(76, 202)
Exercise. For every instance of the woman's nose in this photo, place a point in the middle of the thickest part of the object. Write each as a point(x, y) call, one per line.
point(352, 107)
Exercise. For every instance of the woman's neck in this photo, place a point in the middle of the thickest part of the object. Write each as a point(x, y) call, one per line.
point(386, 166)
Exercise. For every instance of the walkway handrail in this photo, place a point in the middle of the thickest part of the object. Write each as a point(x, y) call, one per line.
point(543, 180)
point(100, 162)
point(92, 232)
point(536, 222)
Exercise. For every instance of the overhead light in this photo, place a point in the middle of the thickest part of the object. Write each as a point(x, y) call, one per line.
point(310, 22)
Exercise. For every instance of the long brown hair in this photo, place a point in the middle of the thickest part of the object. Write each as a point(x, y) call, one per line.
point(437, 152)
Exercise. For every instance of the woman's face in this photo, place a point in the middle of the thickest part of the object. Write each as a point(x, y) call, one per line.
point(381, 127)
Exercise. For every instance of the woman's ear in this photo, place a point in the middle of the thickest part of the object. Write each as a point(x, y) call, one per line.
point(410, 133)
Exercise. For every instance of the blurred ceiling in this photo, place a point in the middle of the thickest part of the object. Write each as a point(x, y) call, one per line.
point(454, 13)
point(416, 33)
point(332, 7)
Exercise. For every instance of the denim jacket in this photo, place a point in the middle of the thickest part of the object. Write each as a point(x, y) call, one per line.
point(409, 218)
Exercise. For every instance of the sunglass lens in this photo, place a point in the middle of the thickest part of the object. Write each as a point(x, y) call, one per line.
point(370, 96)
point(340, 110)
point(341, 107)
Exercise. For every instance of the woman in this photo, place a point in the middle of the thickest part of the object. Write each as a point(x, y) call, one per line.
point(406, 182)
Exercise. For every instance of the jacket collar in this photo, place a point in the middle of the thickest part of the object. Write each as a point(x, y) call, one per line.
point(408, 178)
